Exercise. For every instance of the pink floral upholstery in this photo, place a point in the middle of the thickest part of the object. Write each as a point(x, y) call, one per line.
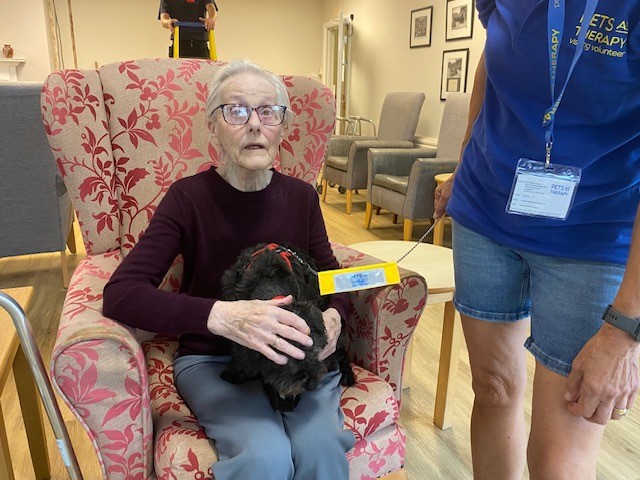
point(121, 135)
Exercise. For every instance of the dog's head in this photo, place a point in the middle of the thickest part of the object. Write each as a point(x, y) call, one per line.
point(268, 271)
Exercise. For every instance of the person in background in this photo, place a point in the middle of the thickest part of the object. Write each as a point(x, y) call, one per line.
point(209, 218)
point(193, 43)
point(546, 236)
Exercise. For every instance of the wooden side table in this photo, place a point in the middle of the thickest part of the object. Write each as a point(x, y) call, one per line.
point(12, 357)
point(435, 264)
point(438, 230)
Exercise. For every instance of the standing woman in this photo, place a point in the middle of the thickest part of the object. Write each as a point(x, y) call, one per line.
point(193, 43)
point(210, 218)
point(546, 236)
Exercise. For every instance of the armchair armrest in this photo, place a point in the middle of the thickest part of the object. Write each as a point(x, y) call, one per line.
point(421, 188)
point(394, 161)
point(382, 320)
point(340, 144)
point(99, 369)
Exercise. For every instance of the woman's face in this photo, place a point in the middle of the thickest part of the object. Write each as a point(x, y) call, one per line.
point(252, 146)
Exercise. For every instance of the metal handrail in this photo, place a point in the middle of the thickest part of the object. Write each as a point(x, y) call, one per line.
point(34, 359)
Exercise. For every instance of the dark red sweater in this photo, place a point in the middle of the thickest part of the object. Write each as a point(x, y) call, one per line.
point(209, 222)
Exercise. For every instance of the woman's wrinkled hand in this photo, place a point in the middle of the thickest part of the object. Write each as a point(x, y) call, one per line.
point(262, 326)
point(605, 377)
point(333, 326)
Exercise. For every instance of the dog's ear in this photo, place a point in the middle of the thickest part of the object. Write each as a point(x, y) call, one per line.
point(231, 279)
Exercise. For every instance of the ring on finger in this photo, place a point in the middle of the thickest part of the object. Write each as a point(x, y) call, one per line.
point(276, 341)
point(620, 411)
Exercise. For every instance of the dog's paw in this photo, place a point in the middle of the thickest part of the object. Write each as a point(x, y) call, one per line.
point(348, 377)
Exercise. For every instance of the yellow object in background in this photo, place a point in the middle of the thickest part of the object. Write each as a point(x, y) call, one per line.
point(358, 278)
point(213, 54)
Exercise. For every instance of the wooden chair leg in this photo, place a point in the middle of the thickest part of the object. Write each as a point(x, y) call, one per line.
point(408, 230)
point(325, 187)
point(349, 201)
point(438, 232)
point(395, 218)
point(368, 213)
point(377, 210)
point(64, 265)
point(71, 238)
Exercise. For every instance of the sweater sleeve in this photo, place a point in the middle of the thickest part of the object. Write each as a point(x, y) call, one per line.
point(132, 296)
point(320, 250)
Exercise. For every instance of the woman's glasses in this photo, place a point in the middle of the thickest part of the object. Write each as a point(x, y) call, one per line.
point(234, 114)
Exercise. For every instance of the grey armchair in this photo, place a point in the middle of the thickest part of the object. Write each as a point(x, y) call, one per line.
point(36, 214)
point(346, 160)
point(402, 180)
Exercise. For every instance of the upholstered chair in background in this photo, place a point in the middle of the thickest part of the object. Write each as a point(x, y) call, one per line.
point(36, 214)
point(346, 162)
point(402, 181)
point(121, 135)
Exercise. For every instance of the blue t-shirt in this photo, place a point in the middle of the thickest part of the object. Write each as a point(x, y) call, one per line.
point(597, 128)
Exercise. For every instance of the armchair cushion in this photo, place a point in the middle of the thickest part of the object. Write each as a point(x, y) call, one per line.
point(392, 182)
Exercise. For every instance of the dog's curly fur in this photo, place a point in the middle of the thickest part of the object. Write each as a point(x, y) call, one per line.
point(264, 272)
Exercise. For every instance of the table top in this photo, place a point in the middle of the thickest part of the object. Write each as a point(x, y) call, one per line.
point(433, 262)
point(8, 336)
point(442, 177)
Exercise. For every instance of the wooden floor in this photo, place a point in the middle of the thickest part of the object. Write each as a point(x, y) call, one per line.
point(431, 453)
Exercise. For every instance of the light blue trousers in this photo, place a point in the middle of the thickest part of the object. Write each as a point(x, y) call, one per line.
point(255, 442)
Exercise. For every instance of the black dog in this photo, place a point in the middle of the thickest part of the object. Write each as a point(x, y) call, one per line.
point(269, 271)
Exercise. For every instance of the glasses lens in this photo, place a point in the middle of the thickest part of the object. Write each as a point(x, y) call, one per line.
point(271, 114)
point(236, 114)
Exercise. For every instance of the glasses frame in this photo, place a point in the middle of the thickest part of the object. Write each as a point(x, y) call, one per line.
point(252, 109)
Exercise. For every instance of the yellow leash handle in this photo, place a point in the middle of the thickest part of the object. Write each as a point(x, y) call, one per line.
point(358, 278)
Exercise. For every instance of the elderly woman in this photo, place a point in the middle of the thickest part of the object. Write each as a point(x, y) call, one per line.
point(209, 218)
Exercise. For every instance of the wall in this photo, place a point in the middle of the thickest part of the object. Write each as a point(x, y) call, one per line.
point(114, 30)
point(282, 35)
point(382, 60)
point(23, 25)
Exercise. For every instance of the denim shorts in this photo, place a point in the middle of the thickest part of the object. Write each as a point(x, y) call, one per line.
point(565, 298)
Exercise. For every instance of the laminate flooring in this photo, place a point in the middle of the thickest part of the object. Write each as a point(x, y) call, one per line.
point(431, 453)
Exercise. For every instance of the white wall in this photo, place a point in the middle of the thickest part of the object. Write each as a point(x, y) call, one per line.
point(23, 25)
point(383, 62)
point(283, 35)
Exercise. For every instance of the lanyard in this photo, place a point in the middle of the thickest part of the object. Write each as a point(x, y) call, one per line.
point(555, 28)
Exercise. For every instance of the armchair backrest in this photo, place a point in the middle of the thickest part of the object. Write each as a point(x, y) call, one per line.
point(123, 133)
point(453, 125)
point(35, 214)
point(399, 115)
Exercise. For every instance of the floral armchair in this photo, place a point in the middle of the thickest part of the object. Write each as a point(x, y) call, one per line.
point(121, 135)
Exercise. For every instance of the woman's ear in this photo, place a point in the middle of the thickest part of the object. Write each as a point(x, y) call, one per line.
point(214, 135)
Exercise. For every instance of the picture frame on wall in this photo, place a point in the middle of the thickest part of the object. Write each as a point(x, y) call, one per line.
point(460, 16)
point(455, 64)
point(420, 29)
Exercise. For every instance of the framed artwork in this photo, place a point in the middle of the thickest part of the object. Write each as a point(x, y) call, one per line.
point(459, 19)
point(454, 72)
point(420, 29)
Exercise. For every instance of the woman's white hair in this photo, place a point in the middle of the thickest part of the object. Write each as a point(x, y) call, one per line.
point(236, 67)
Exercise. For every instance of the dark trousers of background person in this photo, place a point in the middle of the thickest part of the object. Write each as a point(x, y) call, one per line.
point(192, 49)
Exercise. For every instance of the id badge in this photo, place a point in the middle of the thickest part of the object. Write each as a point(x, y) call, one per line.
point(541, 190)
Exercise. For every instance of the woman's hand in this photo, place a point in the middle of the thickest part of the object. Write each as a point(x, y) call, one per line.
point(442, 195)
point(168, 23)
point(333, 326)
point(604, 376)
point(209, 22)
point(262, 326)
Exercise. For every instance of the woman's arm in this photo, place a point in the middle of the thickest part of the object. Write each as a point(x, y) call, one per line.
point(443, 191)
